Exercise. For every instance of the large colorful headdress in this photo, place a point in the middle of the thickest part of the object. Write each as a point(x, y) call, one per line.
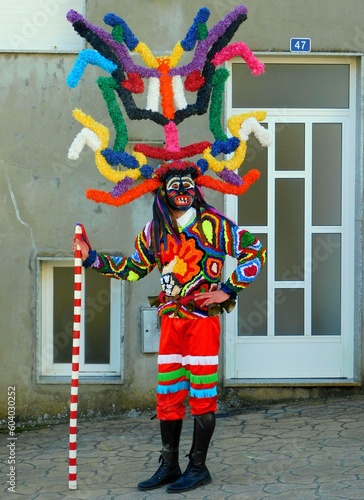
point(164, 84)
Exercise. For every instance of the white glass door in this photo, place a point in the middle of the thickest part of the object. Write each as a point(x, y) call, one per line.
point(297, 320)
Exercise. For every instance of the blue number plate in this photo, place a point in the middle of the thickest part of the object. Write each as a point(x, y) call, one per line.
point(300, 45)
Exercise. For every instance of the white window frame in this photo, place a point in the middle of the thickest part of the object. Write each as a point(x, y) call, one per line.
point(349, 335)
point(49, 372)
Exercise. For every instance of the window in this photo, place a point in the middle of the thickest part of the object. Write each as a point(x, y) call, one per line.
point(29, 26)
point(295, 86)
point(101, 323)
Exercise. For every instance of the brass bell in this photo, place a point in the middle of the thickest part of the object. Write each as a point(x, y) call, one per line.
point(154, 301)
point(213, 310)
point(190, 306)
point(228, 305)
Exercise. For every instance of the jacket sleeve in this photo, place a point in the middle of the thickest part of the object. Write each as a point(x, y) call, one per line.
point(132, 268)
point(250, 256)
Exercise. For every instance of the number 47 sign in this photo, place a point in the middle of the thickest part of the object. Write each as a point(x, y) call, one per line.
point(300, 44)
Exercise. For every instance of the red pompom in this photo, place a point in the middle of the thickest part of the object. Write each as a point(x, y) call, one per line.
point(130, 195)
point(134, 83)
point(194, 81)
point(226, 188)
point(162, 154)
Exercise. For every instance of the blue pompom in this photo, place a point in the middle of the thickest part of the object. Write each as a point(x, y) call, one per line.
point(192, 34)
point(226, 147)
point(190, 39)
point(202, 165)
point(85, 57)
point(202, 15)
point(147, 171)
point(114, 158)
point(129, 37)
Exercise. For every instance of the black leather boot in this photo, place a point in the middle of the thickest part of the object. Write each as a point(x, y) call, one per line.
point(197, 473)
point(169, 469)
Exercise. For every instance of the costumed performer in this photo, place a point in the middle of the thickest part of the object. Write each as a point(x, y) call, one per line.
point(187, 240)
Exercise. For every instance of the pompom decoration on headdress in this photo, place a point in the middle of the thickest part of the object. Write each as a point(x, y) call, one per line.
point(164, 83)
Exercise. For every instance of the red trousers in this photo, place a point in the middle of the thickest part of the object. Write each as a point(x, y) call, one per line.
point(187, 363)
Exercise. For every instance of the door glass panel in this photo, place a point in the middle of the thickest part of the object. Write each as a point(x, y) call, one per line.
point(289, 229)
point(252, 208)
point(326, 174)
point(97, 319)
point(291, 86)
point(289, 311)
point(290, 146)
point(326, 284)
point(252, 303)
point(63, 314)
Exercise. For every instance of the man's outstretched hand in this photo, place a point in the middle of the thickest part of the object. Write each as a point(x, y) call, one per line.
point(82, 245)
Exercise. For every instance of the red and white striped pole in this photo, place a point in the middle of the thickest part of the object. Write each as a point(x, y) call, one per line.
point(77, 290)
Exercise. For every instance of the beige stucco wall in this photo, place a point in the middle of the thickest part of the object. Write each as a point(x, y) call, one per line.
point(42, 192)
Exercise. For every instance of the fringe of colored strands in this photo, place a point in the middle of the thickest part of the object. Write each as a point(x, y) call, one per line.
point(72, 461)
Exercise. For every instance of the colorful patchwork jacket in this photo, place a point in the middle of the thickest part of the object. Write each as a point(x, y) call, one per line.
point(193, 264)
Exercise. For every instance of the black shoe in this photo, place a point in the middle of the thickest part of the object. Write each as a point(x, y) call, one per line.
point(167, 473)
point(193, 476)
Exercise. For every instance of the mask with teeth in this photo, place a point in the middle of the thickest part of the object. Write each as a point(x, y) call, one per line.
point(180, 192)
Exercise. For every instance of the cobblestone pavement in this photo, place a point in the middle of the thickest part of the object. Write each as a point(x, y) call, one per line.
point(303, 450)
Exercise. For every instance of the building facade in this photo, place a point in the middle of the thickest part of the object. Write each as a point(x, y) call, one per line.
point(297, 332)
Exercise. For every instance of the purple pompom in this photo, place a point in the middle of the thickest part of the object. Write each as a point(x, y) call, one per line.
point(230, 177)
point(121, 187)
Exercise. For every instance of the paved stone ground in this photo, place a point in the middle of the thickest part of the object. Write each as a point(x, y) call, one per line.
point(304, 450)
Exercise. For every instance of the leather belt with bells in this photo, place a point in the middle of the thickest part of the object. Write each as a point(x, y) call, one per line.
point(190, 304)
